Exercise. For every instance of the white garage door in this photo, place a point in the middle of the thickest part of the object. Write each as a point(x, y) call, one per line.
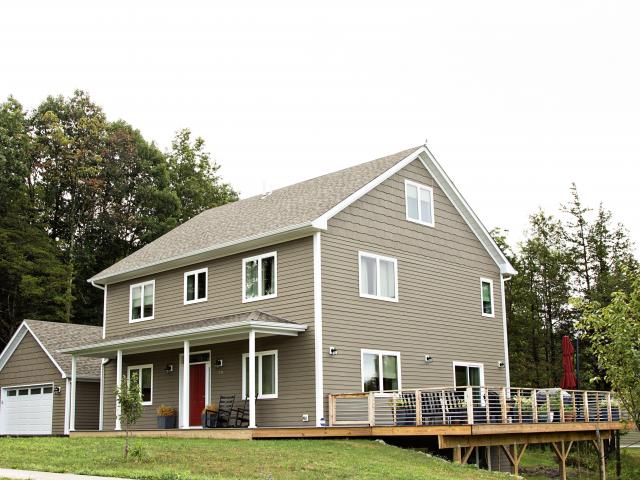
point(26, 410)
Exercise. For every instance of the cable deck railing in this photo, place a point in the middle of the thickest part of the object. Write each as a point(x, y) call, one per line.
point(472, 406)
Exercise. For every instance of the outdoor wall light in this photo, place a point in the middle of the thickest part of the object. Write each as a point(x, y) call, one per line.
point(56, 390)
point(219, 363)
point(428, 359)
point(333, 351)
point(501, 364)
point(168, 368)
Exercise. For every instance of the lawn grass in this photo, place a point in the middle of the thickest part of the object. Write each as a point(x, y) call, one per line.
point(544, 463)
point(187, 459)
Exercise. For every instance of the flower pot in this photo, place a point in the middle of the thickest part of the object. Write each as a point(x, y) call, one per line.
point(165, 423)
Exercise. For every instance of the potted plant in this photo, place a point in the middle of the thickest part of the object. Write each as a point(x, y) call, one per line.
point(203, 415)
point(405, 411)
point(166, 417)
point(545, 415)
point(569, 413)
point(526, 408)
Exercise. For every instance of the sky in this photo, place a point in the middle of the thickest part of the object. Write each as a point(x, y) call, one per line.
point(516, 100)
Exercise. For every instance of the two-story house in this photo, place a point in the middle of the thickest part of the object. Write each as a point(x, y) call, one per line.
point(373, 278)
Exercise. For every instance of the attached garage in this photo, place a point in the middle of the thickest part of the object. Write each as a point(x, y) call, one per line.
point(35, 380)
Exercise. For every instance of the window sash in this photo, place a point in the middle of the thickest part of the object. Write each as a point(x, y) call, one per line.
point(142, 301)
point(144, 376)
point(378, 277)
point(266, 375)
point(486, 296)
point(260, 277)
point(195, 286)
point(380, 371)
point(419, 203)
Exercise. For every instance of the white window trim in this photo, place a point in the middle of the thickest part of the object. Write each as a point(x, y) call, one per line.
point(244, 276)
point(395, 276)
point(406, 204)
point(140, 367)
point(468, 364)
point(195, 286)
point(153, 301)
point(259, 395)
point(380, 353)
point(493, 311)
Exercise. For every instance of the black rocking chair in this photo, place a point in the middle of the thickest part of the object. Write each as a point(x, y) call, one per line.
point(242, 415)
point(221, 418)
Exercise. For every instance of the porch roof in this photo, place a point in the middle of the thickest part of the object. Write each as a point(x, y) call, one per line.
point(220, 329)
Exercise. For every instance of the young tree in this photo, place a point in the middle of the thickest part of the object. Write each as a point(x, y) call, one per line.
point(614, 334)
point(129, 399)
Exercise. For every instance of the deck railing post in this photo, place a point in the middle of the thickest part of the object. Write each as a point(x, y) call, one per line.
point(549, 419)
point(585, 405)
point(486, 402)
point(597, 404)
point(418, 407)
point(519, 406)
point(443, 406)
point(371, 408)
point(503, 404)
point(332, 410)
point(534, 405)
point(561, 406)
point(609, 416)
point(470, 405)
point(575, 409)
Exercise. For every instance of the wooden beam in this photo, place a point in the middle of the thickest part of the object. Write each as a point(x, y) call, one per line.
point(544, 427)
point(600, 447)
point(446, 441)
point(467, 454)
point(457, 455)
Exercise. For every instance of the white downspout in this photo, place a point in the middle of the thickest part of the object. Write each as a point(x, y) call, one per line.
point(317, 327)
point(504, 331)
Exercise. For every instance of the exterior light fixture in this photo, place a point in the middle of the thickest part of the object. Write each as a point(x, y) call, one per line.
point(168, 368)
point(501, 364)
point(333, 351)
point(428, 359)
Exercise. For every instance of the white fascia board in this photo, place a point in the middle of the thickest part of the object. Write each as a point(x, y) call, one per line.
point(483, 235)
point(285, 234)
point(264, 327)
point(17, 337)
point(321, 221)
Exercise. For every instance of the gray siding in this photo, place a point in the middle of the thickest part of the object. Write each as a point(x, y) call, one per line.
point(439, 308)
point(30, 365)
point(87, 405)
point(296, 355)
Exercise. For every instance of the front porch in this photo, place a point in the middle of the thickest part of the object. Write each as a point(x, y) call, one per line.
point(234, 356)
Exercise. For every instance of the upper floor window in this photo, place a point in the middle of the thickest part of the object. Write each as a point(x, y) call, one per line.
point(143, 374)
point(195, 286)
point(259, 277)
point(266, 375)
point(486, 291)
point(380, 371)
point(378, 277)
point(141, 301)
point(419, 199)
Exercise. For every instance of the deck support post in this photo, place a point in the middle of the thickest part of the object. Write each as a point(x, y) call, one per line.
point(562, 452)
point(118, 385)
point(467, 454)
point(252, 379)
point(599, 444)
point(457, 454)
point(186, 377)
point(72, 407)
point(514, 456)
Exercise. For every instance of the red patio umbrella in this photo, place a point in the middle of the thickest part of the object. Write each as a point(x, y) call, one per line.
point(569, 376)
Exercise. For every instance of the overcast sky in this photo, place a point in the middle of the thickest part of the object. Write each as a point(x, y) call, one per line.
point(517, 100)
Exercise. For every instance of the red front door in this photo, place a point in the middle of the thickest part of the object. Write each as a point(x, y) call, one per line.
point(196, 393)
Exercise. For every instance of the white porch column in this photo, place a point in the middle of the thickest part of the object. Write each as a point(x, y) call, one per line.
point(118, 385)
point(252, 379)
point(74, 374)
point(185, 384)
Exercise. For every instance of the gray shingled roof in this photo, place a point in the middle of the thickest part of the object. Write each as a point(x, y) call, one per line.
point(55, 336)
point(238, 319)
point(290, 206)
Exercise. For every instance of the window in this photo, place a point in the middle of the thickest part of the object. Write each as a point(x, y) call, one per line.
point(195, 286)
point(380, 371)
point(259, 275)
point(143, 374)
point(486, 292)
point(419, 199)
point(11, 393)
point(141, 303)
point(266, 375)
point(47, 390)
point(23, 392)
point(36, 391)
point(378, 277)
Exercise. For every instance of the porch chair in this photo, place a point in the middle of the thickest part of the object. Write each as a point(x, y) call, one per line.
point(222, 418)
point(242, 415)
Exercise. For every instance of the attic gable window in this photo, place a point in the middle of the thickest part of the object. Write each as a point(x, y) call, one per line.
point(141, 301)
point(259, 277)
point(195, 286)
point(419, 203)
